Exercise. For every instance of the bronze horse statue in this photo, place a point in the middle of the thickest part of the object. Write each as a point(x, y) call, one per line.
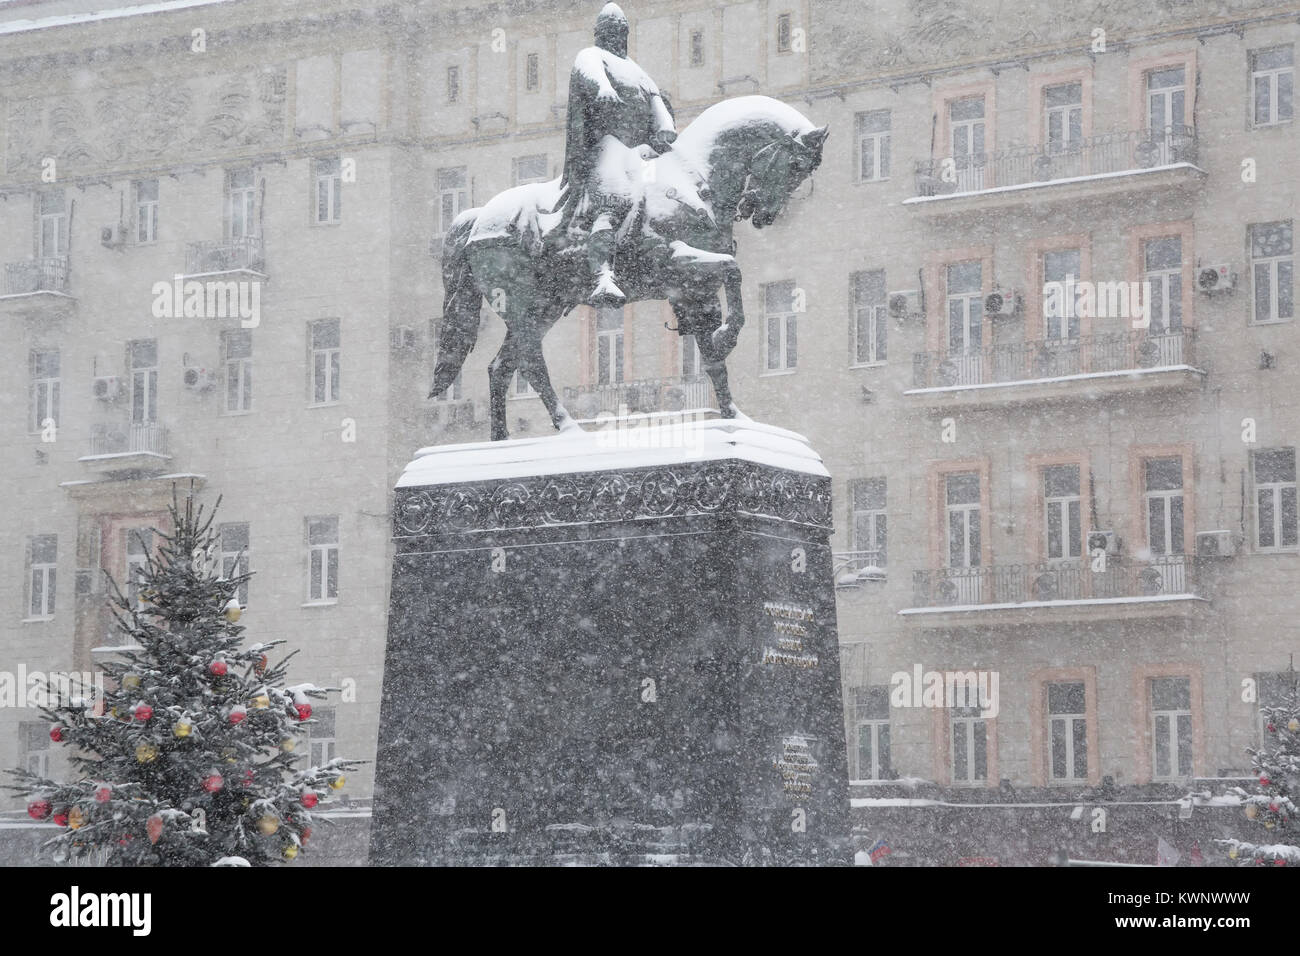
point(740, 159)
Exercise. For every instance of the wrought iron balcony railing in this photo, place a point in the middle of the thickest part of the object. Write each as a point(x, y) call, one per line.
point(1113, 152)
point(43, 274)
point(1069, 580)
point(224, 255)
point(853, 567)
point(646, 395)
point(1053, 358)
point(129, 439)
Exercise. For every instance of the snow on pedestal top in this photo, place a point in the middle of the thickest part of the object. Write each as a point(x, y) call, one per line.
point(613, 448)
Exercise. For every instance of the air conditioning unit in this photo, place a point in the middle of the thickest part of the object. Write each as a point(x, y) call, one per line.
point(106, 388)
point(1002, 302)
point(401, 337)
point(114, 235)
point(1217, 278)
point(1107, 541)
point(197, 379)
point(904, 304)
point(1215, 544)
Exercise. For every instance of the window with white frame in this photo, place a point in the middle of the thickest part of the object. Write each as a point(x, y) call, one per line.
point(609, 345)
point(969, 746)
point(1171, 727)
point(35, 736)
point(532, 72)
point(1067, 732)
point(52, 211)
point(453, 84)
point(328, 175)
point(142, 360)
point(453, 196)
point(43, 558)
point(962, 509)
point(1166, 98)
point(146, 210)
point(697, 48)
point(237, 347)
point(1164, 504)
point(965, 301)
point(241, 204)
point(233, 538)
point(873, 145)
point(1162, 263)
point(1272, 270)
point(1062, 265)
point(966, 138)
point(871, 707)
point(1275, 499)
point(323, 338)
point(139, 544)
point(782, 326)
point(692, 361)
point(43, 365)
point(322, 558)
point(321, 735)
point(1061, 512)
point(870, 318)
point(530, 169)
point(784, 33)
point(869, 524)
point(1272, 83)
point(1063, 117)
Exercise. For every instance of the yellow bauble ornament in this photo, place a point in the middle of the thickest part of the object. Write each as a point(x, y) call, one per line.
point(182, 728)
point(1251, 811)
point(115, 712)
point(146, 752)
point(290, 852)
point(261, 702)
point(131, 681)
point(1293, 725)
point(76, 819)
point(229, 754)
point(337, 783)
point(267, 825)
point(232, 611)
point(287, 745)
point(1268, 824)
point(1232, 854)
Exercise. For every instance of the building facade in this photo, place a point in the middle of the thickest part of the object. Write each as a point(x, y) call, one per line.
point(1035, 309)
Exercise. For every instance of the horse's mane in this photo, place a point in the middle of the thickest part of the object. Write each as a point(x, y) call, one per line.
point(711, 127)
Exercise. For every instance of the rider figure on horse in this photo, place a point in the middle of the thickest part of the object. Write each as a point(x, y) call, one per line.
point(609, 96)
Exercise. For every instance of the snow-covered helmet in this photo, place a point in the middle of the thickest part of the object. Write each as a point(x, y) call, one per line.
point(611, 29)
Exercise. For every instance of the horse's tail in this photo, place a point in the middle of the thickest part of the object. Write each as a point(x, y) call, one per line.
point(461, 303)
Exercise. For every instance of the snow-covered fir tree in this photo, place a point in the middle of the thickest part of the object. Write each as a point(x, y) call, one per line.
point(189, 758)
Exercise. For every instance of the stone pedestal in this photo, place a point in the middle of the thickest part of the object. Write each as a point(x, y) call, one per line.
point(609, 654)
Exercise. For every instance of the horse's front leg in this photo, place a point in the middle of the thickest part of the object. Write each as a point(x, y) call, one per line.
point(706, 318)
point(532, 364)
point(500, 370)
point(727, 334)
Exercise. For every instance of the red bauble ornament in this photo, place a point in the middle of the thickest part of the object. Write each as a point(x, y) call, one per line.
point(61, 818)
point(309, 800)
point(1272, 729)
point(1273, 807)
point(56, 734)
point(213, 782)
point(39, 809)
point(143, 712)
point(304, 711)
point(218, 668)
point(237, 715)
point(260, 666)
point(305, 835)
point(1263, 780)
point(248, 778)
point(103, 793)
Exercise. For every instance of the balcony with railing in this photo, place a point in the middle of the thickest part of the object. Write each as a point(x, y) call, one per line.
point(1056, 368)
point(854, 568)
point(131, 447)
point(643, 397)
point(1118, 160)
point(39, 283)
point(223, 256)
point(1071, 589)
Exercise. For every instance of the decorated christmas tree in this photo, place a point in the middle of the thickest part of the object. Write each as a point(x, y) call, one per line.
point(1271, 805)
point(188, 759)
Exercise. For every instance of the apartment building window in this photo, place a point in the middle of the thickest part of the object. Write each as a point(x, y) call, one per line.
point(962, 513)
point(532, 71)
point(1061, 509)
point(329, 189)
point(691, 358)
point(142, 359)
point(453, 196)
point(966, 137)
point(1058, 265)
point(1063, 117)
point(35, 735)
point(1272, 83)
point(233, 538)
point(965, 302)
point(52, 211)
point(870, 318)
point(1171, 727)
point(1166, 98)
point(43, 366)
point(783, 33)
point(323, 335)
point(970, 750)
point(782, 326)
point(320, 735)
point(530, 169)
point(43, 558)
point(237, 347)
point(1272, 269)
point(1164, 505)
point(1275, 499)
point(139, 543)
point(1162, 261)
point(873, 145)
point(869, 522)
point(609, 345)
point(1067, 731)
point(697, 48)
point(872, 711)
point(453, 84)
point(146, 210)
point(322, 559)
point(241, 204)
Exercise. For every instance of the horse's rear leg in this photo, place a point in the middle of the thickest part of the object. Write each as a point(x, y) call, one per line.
point(500, 370)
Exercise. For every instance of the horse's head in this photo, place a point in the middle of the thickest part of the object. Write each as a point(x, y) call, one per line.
point(776, 171)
